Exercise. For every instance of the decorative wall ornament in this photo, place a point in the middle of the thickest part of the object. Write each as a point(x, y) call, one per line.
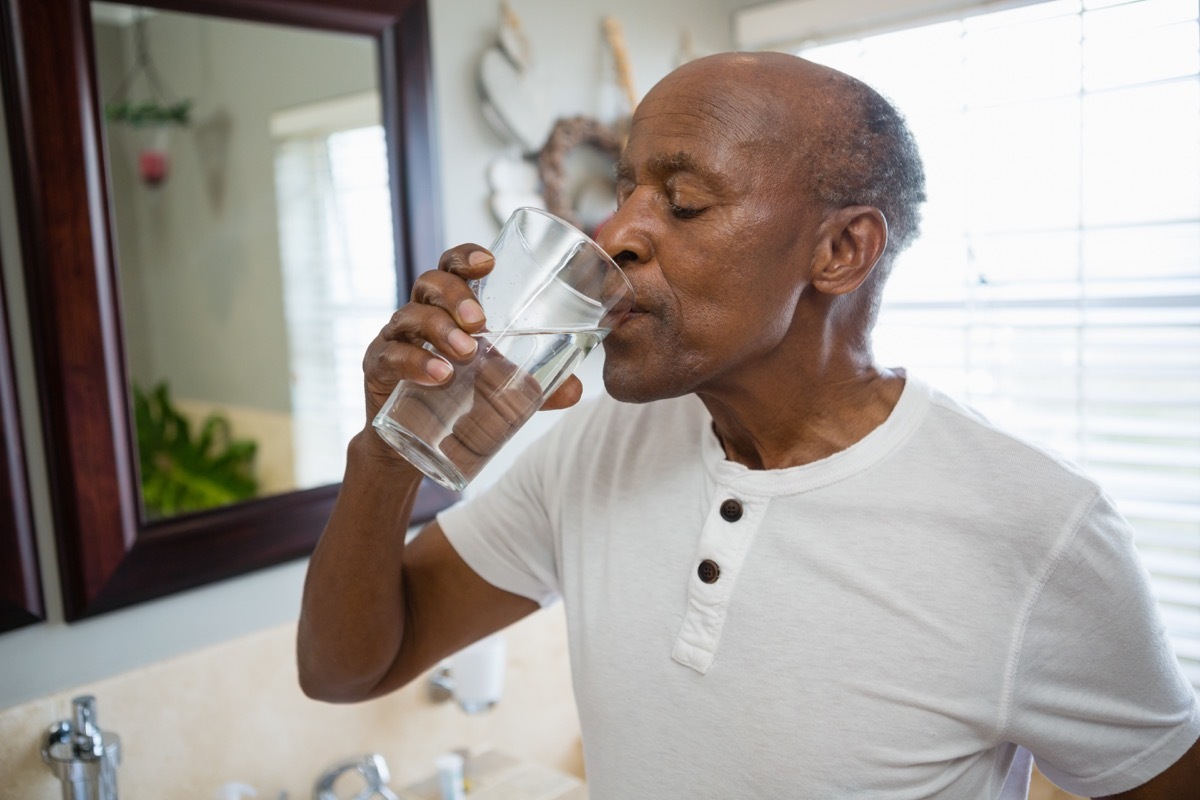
point(564, 165)
point(591, 202)
point(514, 182)
point(511, 99)
point(615, 37)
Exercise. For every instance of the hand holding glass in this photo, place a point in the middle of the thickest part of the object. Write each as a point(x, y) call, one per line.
point(552, 296)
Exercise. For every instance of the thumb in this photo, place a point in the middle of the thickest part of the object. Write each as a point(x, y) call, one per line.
point(565, 396)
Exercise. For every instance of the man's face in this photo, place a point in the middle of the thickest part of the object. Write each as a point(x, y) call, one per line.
point(713, 235)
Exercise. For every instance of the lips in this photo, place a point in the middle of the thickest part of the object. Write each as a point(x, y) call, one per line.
point(633, 312)
point(630, 316)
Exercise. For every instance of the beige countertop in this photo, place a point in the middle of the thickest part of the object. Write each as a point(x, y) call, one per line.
point(493, 775)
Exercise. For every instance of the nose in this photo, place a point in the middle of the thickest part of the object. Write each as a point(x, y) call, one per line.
point(625, 236)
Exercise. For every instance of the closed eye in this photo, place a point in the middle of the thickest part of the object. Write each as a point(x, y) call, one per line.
point(683, 212)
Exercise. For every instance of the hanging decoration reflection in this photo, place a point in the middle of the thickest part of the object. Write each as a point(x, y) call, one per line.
point(154, 116)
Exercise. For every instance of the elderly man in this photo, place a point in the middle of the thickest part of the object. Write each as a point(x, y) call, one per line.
point(787, 571)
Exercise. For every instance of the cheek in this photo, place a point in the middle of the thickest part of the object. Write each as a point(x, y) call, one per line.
point(738, 278)
point(739, 273)
point(743, 305)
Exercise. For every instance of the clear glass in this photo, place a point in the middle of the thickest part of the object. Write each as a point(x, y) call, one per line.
point(551, 297)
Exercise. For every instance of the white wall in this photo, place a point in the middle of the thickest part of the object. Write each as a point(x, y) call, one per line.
point(568, 46)
point(783, 24)
point(571, 68)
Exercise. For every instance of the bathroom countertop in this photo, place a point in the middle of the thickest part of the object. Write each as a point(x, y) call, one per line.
point(493, 775)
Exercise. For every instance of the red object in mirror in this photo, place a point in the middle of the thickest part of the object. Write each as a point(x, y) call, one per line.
point(152, 166)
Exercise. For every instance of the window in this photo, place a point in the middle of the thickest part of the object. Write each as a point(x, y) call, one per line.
point(339, 275)
point(1056, 286)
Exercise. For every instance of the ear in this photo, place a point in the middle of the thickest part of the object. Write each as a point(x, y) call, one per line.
point(850, 241)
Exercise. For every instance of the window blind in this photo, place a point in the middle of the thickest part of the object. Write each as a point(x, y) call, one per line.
point(336, 251)
point(1057, 284)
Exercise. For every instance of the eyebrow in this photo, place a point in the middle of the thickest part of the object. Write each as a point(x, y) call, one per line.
point(666, 165)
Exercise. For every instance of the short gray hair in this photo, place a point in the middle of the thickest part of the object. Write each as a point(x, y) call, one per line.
point(869, 157)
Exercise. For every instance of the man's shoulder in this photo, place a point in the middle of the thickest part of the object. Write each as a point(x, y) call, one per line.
point(962, 429)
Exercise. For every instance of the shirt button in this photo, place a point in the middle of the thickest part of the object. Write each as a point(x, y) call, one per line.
point(709, 571)
point(731, 510)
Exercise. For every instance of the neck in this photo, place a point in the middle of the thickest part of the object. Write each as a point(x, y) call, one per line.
point(804, 417)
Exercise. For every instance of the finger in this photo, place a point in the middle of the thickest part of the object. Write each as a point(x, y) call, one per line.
point(386, 363)
point(428, 414)
point(417, 324)
point(468, 261)
point(496, 374)
point(452, 294)
point(377, 394)
point(494, 415)
point(399, 361)
point(565, 396)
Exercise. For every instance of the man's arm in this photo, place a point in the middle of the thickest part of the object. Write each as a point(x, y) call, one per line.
point(377, 613)
point(1181, 781)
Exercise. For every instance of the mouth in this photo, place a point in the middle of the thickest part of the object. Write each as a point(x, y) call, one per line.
point(626, 332)
point(628, 317)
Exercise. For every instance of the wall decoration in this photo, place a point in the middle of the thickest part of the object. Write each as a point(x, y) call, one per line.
point(512, 102)
point(514, 182)
point(615, 36)
point(564, 164)
point(589, 200)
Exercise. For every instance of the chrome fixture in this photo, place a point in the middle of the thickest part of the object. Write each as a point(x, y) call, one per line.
point(373, 770)
point(81, 755)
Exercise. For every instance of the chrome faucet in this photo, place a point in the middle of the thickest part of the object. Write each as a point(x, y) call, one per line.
point(81, 755)
point(373, 770)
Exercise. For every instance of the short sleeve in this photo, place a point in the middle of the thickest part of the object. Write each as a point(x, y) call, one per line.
point(1098, 695)
point(508, 534)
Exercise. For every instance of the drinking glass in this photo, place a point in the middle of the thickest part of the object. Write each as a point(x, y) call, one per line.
point(552, 295)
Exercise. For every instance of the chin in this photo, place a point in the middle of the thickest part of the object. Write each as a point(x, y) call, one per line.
point(638, 383)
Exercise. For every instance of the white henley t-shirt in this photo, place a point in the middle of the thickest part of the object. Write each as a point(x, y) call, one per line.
point(903, 619)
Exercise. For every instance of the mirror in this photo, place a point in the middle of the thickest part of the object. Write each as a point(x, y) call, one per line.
point(172, 265)
point(253, 247)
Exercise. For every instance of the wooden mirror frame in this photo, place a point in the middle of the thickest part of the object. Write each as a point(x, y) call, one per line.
point(20, 584)
point(108, 556)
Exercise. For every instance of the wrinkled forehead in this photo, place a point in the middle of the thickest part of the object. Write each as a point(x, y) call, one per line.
point(680, 126)
point(718, 113)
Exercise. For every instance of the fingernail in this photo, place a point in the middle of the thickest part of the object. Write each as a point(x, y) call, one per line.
point(463, 344)
point(470, 312)
point(478, 258)
point(438, 370)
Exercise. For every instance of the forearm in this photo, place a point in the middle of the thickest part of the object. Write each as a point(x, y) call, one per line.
point(353, 609)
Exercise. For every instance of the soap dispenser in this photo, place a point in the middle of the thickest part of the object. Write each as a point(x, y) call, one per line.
point(81, 755)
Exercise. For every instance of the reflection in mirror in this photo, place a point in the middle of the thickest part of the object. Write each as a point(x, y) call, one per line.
point(254, 243)
point(110, 553)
